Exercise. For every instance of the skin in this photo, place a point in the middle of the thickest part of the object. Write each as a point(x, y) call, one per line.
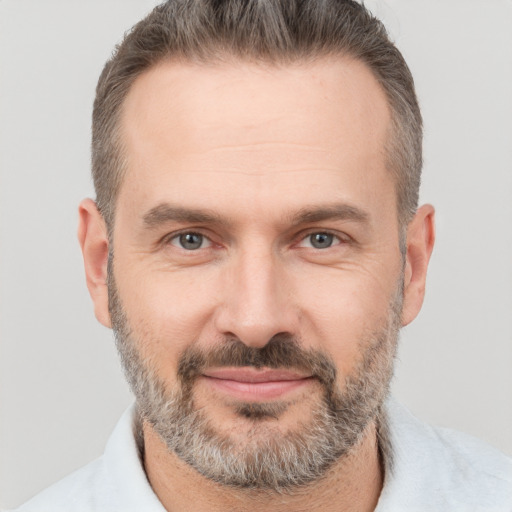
point(255, 147)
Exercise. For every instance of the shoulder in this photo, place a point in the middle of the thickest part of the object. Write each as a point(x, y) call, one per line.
point(116, 482)
point(86, 489)
point(474, 457)
point(441, 469)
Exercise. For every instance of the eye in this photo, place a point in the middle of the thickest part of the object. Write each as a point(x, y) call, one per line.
point(190, 241)
point(319, 240)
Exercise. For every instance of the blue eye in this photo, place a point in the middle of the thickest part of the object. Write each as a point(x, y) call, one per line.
point(321, 240)
point(190, 241)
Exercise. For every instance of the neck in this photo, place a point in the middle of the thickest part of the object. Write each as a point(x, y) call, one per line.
point(352, 484)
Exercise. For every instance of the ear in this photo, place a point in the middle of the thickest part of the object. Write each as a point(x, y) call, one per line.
point(93, 238)
point(420, 242)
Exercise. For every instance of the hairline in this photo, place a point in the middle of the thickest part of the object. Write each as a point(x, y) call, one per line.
point(219, 58)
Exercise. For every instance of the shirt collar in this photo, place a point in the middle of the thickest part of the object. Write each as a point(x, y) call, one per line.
point(126, 469)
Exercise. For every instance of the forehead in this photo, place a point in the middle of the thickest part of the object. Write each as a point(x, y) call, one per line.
point(252, 130)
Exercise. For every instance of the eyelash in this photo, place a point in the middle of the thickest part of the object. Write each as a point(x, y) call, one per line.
point(339, 239)
point(176, 236)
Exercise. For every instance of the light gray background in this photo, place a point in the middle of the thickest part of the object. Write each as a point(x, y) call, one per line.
point(61, 388)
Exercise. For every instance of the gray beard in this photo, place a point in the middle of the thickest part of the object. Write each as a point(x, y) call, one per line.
point(267, 459)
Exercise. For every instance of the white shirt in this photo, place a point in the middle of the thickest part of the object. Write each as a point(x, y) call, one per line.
point(434, 470)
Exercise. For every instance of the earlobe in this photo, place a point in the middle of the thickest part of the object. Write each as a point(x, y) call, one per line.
point(420, 243)
point(93, 238)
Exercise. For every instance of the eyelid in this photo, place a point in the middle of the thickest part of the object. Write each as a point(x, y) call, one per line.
point(168, 238)
point(342, 238)
point(301, 237)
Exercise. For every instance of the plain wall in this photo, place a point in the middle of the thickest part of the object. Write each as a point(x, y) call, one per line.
point(61, 387)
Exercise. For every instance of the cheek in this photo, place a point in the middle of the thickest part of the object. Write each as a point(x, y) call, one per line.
point(167, 311)
point(342, 312)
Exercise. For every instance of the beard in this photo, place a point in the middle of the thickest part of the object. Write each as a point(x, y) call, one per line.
point(264, 458)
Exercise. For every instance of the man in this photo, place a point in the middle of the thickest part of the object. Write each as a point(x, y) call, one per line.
point(256, 245)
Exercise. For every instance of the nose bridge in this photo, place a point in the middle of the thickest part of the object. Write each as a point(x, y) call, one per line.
point(256, 301)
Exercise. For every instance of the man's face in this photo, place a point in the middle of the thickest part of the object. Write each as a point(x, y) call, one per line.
point(257, 274)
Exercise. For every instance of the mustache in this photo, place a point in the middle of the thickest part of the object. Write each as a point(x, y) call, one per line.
point(281, 352)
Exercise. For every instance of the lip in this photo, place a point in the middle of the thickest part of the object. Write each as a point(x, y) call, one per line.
point(250, 384)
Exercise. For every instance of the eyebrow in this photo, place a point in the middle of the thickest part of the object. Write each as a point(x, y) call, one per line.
point(165, 213)
point(330, 212)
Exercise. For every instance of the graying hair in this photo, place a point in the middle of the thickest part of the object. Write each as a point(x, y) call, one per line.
point(269, 31)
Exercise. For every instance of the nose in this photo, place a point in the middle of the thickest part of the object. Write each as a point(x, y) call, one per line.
point(257, 300)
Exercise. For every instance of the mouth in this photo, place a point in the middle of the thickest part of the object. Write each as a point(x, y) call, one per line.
point(253, 385)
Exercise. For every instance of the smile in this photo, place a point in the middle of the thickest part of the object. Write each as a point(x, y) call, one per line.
point(249, 384)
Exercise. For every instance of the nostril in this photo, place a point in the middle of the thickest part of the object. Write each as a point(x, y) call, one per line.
point(254, 304)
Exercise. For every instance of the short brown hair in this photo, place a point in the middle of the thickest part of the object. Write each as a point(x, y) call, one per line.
point(273, 31)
